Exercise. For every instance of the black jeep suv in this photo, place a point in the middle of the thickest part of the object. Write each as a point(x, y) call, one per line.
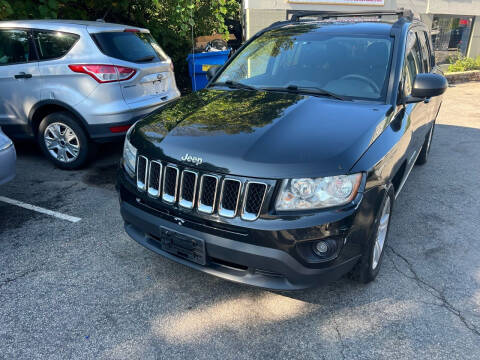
point(283, 172)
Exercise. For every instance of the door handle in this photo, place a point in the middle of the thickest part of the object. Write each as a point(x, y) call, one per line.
point(22, 75)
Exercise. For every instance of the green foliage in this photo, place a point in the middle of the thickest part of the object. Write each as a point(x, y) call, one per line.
point(465, 64)
point(453, 58)
point(173, 23)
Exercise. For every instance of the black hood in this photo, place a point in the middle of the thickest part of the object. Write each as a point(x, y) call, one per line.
point(261, 134)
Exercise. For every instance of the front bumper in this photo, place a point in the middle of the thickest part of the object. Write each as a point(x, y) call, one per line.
point(262, 253)
point(264, 267)
point(7, 164)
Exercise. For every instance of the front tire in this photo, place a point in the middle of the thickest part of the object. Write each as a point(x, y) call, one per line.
point(369, 266)
point(63, 141)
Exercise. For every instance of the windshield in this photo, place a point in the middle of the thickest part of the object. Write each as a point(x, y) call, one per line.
point(354, 66)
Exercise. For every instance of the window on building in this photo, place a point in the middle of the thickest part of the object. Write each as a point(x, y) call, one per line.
point(450, 36)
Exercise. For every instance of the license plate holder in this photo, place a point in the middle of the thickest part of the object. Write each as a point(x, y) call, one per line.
point(159, 87)
point(184, 246)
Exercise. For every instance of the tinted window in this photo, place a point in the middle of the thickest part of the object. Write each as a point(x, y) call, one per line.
point(412, 62)
point(129, 46)
point(14, 47)
point(351, 65)
point(424, 51)
point(429, 50)
point(53, 44)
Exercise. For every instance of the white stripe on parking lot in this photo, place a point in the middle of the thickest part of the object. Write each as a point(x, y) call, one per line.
point(40, 210)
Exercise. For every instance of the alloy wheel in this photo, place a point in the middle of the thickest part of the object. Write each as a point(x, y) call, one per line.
point(61, 142)
point(381, 233)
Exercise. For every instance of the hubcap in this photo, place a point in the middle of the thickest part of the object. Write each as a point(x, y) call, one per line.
point(61, 142)
point(381, 234)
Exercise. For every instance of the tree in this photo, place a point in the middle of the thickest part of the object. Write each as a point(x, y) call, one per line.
point(171, 22)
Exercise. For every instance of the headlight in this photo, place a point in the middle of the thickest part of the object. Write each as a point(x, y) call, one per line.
point(129, 157)
point(307, 193)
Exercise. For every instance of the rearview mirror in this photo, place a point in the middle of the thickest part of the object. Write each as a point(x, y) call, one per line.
point(429, 85)
point(212, 71)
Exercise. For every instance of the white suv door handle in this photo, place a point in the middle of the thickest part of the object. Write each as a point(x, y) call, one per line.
point(22, 75)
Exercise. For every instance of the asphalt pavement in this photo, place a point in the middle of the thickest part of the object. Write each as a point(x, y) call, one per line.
point(85, 290)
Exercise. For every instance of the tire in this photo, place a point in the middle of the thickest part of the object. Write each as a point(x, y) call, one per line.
point(369, 265)
point(423, 156)
point(69, 147)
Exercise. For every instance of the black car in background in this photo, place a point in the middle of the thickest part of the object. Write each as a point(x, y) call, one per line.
point(283, 172)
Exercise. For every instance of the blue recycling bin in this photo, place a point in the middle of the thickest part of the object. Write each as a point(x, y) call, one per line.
point(199, 63)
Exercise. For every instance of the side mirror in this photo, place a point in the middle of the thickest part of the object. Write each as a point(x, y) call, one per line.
point(212, 71)
point(426, 86)
point(429, 85)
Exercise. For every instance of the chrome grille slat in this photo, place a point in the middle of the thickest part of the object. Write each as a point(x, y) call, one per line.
point(229, 197)
point(187, 191)
point(170, 184)
point(142, 173)
point(154, 178)
point(207, 196)
point(253, 200)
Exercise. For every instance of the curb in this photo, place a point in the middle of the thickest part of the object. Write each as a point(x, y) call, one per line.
point(463, 76)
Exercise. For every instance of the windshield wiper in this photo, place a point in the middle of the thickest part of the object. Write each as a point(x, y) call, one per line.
point(145, 59)
point(234, 85)
point(309, 90)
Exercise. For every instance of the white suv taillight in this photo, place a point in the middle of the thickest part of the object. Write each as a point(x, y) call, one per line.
point(104, 73)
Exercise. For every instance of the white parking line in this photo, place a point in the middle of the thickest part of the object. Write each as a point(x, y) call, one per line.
point(40, 210)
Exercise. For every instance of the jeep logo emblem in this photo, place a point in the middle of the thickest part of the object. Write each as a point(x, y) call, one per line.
point(193, 159)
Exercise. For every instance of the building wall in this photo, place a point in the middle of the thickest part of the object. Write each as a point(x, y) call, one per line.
point(258, 19)
point(261, 13)
point(474, 48)
point(444, 7)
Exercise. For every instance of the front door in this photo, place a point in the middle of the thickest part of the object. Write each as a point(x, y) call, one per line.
point(418, 112)
point(18, 69)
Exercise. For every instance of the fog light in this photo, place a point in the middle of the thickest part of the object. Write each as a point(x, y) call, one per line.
point(325, 248)
point(321, 248)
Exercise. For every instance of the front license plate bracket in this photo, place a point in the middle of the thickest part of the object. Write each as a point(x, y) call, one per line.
point(186, 247)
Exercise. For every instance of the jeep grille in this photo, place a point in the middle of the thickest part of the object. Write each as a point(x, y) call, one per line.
point(206, 193)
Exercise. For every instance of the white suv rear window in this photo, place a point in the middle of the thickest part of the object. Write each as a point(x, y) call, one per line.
point(129, 46)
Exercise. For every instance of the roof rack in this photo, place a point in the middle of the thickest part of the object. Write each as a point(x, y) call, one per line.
point(322, 15)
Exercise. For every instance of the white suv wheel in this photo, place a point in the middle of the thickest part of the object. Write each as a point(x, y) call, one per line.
point(61, 142)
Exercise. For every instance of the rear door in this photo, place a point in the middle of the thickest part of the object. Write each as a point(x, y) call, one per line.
point(138, 50)
point(19, 89)
point(54, 53)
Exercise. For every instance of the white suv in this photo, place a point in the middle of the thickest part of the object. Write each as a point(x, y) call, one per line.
point(72, 84)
